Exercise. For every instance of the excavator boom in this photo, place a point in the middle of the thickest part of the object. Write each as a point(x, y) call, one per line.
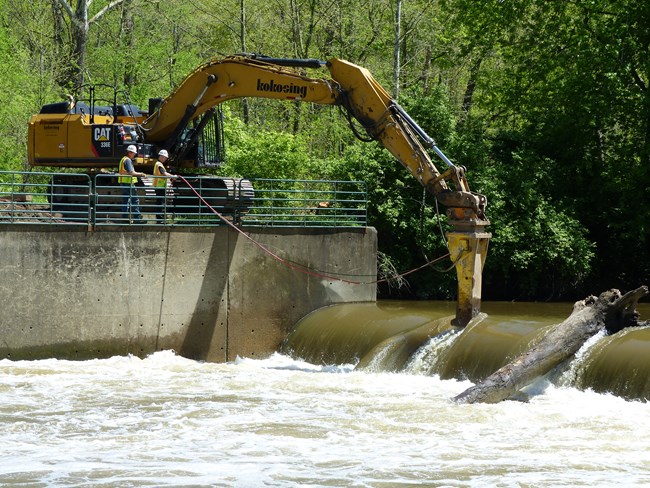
point(350, 86)
point(234, 77)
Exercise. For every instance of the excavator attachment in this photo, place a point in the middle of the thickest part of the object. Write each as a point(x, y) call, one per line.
point(468, 251)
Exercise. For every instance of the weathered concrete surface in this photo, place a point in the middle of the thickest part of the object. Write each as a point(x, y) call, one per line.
point(209, 294)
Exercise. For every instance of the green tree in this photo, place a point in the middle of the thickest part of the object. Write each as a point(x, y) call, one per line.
point(563, 88)
point(20, 92)
point(263, 154)
point(80, 20)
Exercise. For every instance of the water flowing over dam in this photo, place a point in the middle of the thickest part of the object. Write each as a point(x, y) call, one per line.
point(166, 420)
point(420, 338)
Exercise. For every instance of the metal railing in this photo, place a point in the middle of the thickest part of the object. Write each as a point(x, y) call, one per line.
point(308, 203)
point(36, 198)
point(76, 199)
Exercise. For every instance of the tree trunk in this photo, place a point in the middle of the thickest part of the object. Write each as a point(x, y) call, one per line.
point(58, 26)
point(128, 42)
point(468, 98)
point(80, 25)
point(242, 40)
point(609, 311)
point(396, 52)
point(426, 68)
point(79, 41)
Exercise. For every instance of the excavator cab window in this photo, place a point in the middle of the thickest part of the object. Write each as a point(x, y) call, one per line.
point(210, 145)
point(202, 143)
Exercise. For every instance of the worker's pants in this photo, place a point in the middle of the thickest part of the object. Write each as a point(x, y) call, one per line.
point(130, 202)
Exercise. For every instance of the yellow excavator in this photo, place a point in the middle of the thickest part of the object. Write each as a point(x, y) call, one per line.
point(77, 134)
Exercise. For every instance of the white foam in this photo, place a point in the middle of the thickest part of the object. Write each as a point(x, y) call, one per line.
point(166, 420)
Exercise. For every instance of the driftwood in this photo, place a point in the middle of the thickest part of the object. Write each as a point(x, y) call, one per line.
point(610, 311)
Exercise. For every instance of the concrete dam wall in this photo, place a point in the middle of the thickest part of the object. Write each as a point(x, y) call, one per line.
point(207, 293)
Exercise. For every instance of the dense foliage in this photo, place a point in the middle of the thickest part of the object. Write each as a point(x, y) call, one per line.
point(545, 103)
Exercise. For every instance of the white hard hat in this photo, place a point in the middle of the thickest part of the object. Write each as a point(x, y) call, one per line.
point(132, 149)
point(163, 153)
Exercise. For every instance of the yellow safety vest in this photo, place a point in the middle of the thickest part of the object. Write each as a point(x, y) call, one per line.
point(125, 179)
point(158, 169)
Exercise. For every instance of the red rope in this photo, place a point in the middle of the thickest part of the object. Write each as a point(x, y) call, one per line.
point(297, 267)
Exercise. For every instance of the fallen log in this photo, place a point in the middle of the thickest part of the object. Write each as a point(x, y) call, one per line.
point(611, 311)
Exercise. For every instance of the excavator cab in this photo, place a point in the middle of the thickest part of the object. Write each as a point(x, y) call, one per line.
point(201, 144)
point(94, 132)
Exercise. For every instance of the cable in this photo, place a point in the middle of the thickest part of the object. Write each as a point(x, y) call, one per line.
point(298, 267)
point(354, 129)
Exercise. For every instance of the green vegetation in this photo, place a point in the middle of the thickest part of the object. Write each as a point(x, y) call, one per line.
point(547, 105)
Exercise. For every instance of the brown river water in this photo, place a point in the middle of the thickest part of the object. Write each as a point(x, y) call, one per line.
point(359, 397)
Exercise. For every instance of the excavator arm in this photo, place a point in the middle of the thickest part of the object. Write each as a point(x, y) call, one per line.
point(350, 86)
point(364, 99)
point(224, 79)
point(387, 122)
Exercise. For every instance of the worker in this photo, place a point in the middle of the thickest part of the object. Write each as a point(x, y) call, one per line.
point(127, 179)
point(160, 178)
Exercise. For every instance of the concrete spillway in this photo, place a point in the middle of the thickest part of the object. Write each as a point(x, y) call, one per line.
point(211, 294)
point(420, 338)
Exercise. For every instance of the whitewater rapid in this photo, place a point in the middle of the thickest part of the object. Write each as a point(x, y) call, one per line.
point(170, 421)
